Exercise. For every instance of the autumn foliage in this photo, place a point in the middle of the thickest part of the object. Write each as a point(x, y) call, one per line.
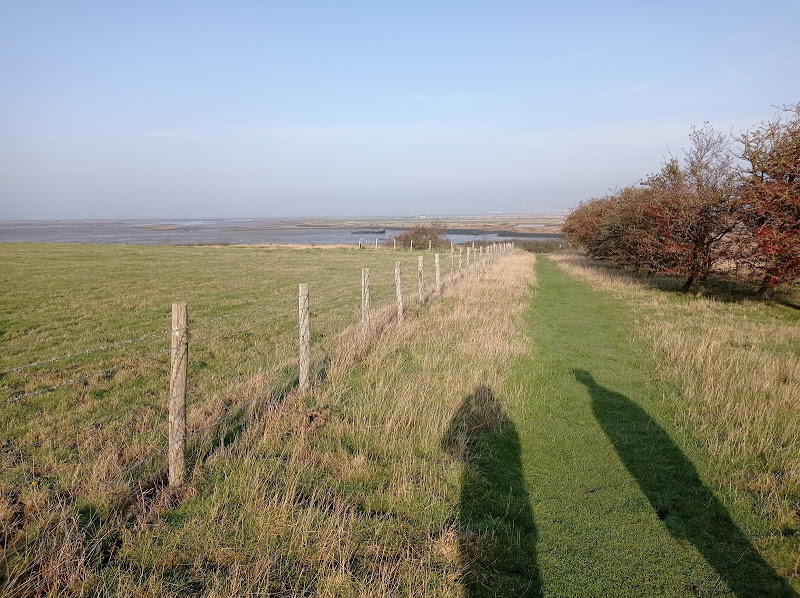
point(771, 191)
point(718, 209)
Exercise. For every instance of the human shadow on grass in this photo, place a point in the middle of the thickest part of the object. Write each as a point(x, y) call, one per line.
point(686, 507)
point(497, 533)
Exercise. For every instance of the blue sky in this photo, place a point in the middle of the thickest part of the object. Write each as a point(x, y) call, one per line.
point(263, 109)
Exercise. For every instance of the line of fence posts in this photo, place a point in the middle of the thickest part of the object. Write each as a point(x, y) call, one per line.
point(474, 254)
point(179, 351)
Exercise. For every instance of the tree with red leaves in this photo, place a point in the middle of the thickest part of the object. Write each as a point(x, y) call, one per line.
point(771, 195)
point(613, 228)
point(584, 226)
point(694, 206)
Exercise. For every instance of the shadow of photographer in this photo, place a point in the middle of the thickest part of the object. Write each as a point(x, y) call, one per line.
point(497, 533)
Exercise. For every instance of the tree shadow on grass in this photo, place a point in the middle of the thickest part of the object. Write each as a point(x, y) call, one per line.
point(688, 509)
point(725, 289)
point(497, 533)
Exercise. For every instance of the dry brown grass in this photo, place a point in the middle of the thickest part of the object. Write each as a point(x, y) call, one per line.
point(738, 367)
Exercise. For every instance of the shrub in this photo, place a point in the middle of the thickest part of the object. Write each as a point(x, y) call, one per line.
point(421, 235)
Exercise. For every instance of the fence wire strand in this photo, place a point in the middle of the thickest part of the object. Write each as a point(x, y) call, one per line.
point(202, 323)
point(240, 329)
point(85, 377)
point(87, 352)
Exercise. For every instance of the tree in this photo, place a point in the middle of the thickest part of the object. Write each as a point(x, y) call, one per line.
point(584, 225)
point(771, 196)
point(613, 228)
point(694, 206)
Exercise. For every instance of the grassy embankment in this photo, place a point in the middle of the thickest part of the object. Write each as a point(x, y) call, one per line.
point(458, 457)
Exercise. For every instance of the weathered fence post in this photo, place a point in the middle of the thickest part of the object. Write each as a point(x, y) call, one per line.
point(394, 248)
point(305, 338)
point(438, 277)
point(376, 242)
point(399, 285)
point(365, 297)
point(460, 249)
point(421, 284)
point(452, 261)
point(429, 246)
point(411, 245)
point(467, 257)
point(179, 355)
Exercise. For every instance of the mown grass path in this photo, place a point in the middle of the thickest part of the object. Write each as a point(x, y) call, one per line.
point(619, 507)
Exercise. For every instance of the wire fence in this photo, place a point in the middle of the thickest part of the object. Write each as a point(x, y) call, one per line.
point(88, 400)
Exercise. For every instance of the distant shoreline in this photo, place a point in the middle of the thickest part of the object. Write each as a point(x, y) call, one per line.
point(268, 232)
point(460, 224)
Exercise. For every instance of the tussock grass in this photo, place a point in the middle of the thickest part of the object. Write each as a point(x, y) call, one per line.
point(343, 491)
point(738, 367)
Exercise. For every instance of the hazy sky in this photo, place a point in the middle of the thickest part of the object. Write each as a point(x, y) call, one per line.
point(258, 109)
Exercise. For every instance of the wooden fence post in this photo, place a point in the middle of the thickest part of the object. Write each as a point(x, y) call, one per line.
point(421, 285)
point(305, 338)
point(399, 285)
point(394, 248)
point(438, 277)
point(467, 257)
point(179, 354)
point(365, 297)
point(429, 246)
point(452, 262)
point(460, 249)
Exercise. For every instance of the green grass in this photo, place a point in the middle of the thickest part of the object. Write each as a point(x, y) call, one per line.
point(509, 439)
point(620, 500)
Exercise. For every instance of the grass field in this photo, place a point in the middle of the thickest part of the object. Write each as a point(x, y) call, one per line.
point(96, 446)
point(533, 431)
